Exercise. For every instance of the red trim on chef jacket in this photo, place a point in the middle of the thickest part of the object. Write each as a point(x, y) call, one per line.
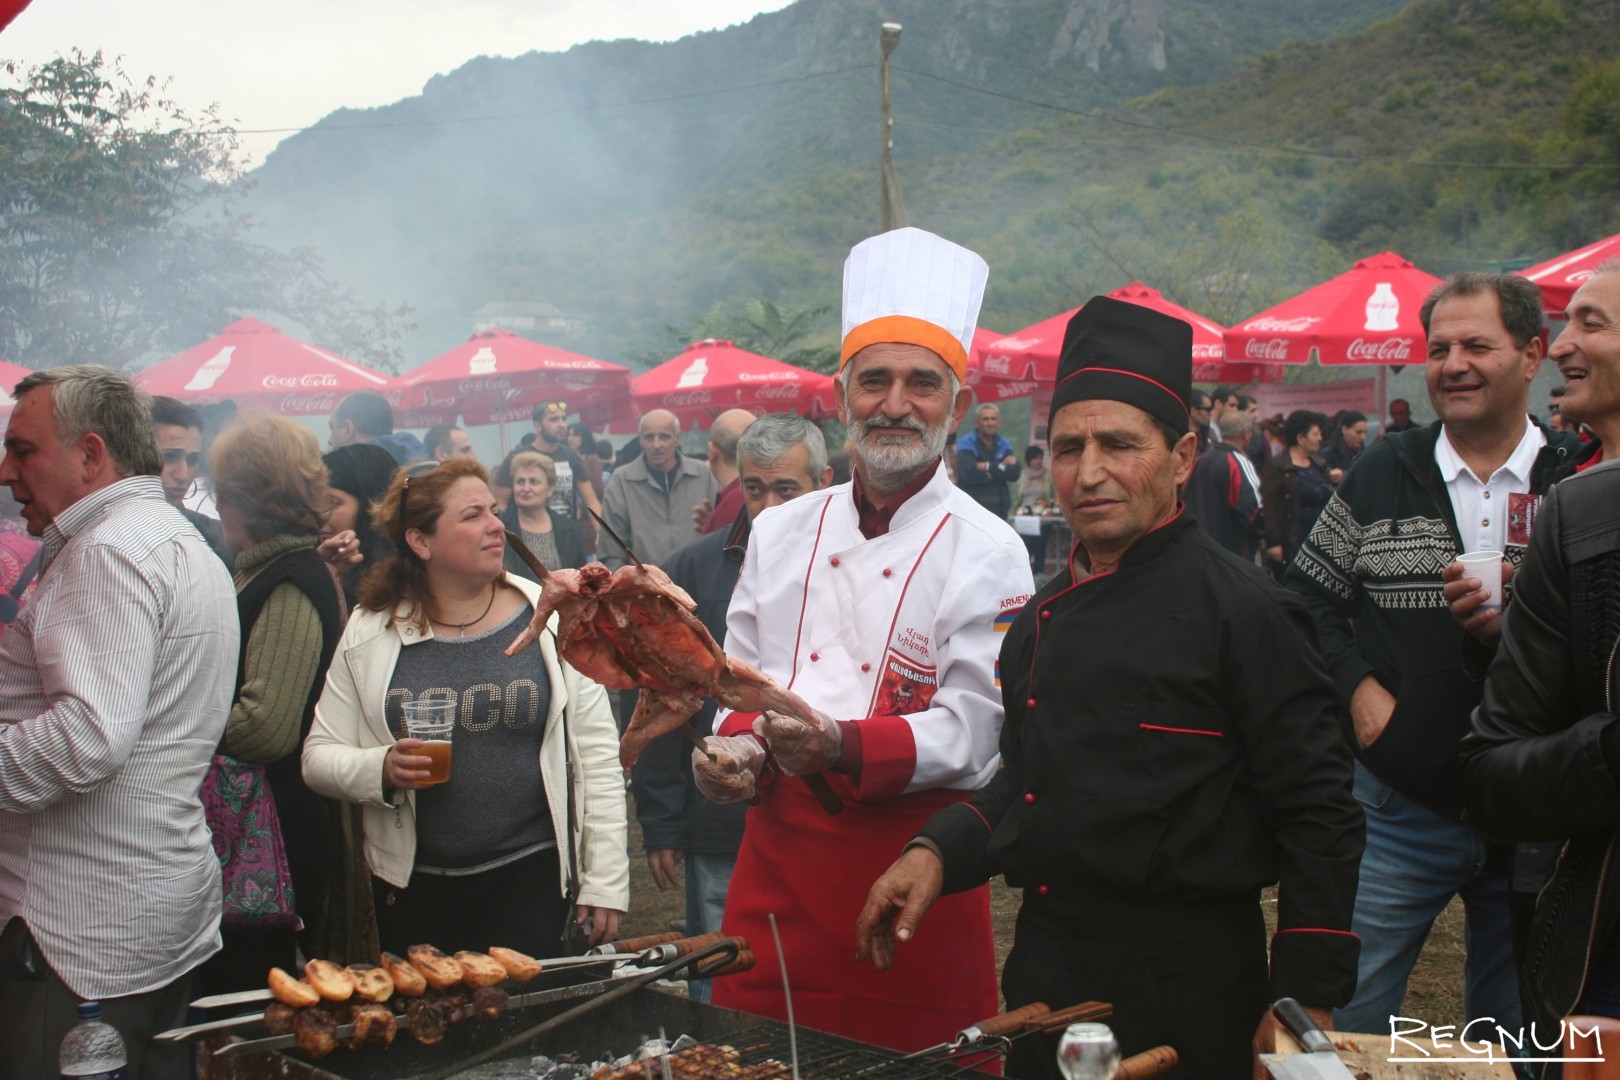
point(874, 522)
point(888, 757)
point(1595, 459)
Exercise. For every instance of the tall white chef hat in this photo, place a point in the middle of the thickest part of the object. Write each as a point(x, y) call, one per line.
point(913, 287)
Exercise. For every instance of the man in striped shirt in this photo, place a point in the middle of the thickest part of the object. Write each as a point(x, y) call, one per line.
point(117, 681)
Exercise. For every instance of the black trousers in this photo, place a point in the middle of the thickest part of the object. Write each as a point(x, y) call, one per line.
point(1194, 978)
point(518, 906)
point(37, 1010)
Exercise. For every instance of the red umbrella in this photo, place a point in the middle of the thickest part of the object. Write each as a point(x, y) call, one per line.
point(495, 376)
point(1032, 353)
point(1558, 278)
point(1366, 315)
point(10, 376)
point(713, 376)
point(257, 366)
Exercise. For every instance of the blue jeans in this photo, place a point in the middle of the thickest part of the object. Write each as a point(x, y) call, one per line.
point(707, 879)
point(1414, 863)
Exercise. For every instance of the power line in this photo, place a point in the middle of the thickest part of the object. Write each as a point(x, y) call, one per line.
point(1244, 144)
point(526, 114)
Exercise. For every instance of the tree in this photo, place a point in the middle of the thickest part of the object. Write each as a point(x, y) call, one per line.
point(763, 328)
point(117, 236)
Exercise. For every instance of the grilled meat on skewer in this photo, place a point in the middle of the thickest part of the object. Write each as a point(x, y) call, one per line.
point(316, 1031)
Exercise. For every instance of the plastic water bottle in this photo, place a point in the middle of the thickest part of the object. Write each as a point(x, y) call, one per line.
point(93, 1050)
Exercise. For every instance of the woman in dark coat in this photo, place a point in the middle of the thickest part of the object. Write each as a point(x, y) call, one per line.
point(357, 475)
point(1294, 488)
point(551, 537)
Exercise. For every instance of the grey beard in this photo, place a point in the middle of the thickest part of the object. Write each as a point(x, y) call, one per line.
point(887, 469)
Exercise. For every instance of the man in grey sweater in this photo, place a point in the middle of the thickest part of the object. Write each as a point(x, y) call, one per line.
point(649, 501)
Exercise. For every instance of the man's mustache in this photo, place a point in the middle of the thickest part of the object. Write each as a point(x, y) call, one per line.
point(902, 423)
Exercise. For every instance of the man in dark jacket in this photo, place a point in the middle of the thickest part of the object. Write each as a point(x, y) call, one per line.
point(1542, 761)
point(1223, 493)
point(177, 427)
point(779, 458)
point(1158, 770)
point(1371, 573)
point(985, 462)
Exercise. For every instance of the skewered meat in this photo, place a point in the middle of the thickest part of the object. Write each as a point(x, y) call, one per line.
point(634, 628)
point(316, 1031)
point(329, 980)
point(439, 970)
point(489, 1002)
point(425, 1021)
point(373, 1023)
point(371, 983)
point(479, 970)
point(278, 1018)
point(291, 991)
point(517, 965)
point(407, 980)
point(699, 1063)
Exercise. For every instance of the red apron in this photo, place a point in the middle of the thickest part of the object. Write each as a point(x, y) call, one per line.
point(813, 870)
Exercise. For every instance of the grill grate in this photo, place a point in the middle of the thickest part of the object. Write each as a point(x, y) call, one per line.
point(825, 1058)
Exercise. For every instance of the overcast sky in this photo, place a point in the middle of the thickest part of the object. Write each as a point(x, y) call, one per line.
point(287, 63)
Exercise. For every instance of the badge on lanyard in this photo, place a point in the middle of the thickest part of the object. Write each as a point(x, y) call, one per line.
point(906, 687)
point(1521, 517)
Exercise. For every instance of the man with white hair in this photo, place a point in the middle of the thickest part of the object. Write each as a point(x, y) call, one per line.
point(881, 603)
point(649, 502)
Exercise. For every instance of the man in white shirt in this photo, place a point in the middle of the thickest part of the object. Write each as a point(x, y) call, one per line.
point(119, 676)
point(1371, 572)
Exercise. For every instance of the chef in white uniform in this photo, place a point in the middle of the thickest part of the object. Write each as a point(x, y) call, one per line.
point(881, 602)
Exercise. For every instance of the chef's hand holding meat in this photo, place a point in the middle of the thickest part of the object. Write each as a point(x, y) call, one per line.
point(732, 775)
point(801, 747)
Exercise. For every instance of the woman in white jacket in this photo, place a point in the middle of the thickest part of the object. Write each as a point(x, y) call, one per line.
point(495, 855)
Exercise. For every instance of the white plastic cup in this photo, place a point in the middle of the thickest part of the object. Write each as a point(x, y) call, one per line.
point(1486, 566)
point(433, 720)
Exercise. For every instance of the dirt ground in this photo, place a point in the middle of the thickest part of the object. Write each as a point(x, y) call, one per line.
point(1435, 991)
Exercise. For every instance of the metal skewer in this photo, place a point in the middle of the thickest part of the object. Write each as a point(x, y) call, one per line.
point(615, 537)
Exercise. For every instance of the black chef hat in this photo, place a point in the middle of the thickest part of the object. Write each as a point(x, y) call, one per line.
point(1118, 351)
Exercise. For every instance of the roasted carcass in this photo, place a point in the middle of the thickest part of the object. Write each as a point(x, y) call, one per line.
point(634, 629)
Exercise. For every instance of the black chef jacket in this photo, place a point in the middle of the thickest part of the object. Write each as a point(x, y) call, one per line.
point(1171, 742)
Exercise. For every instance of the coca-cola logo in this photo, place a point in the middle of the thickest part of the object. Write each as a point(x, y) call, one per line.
point(310, 380)
point(768, 376)
point(997, 365)
point(479, 386)
point(307, 404)
point(691, 397)
point(1281, 326)
point(1579, 277)
point(1386, 350)
point(1275, 349)
point(1015, 344)
point(1208, 352)
point(778, 392)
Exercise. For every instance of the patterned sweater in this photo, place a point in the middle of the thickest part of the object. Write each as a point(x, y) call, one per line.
point(1370, 573)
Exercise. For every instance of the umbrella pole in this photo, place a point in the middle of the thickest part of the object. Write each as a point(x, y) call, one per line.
point(1383, 397)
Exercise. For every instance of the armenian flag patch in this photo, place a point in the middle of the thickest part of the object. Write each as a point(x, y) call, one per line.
point(1005, 620)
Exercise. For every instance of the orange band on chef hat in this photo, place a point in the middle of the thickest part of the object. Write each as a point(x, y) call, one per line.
point(907, 330)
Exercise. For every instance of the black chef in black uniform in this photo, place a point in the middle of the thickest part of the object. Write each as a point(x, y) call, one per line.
point(1170, 748)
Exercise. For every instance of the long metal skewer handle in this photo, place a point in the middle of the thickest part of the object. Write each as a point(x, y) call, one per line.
point(1148, 1064)
point(825, 795)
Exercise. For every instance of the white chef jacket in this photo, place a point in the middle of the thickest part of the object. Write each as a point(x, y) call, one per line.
point(900, 632)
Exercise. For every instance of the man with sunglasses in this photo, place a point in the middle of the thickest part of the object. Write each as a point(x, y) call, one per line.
point(177, 427)
point(574, 491)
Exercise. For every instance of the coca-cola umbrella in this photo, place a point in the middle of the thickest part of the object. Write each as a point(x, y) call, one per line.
point(10, 375)
point(1366, 315)
point(989, 386)
point(1559, 277)
point(712, 376)
point(496, 376)
point(255, 365)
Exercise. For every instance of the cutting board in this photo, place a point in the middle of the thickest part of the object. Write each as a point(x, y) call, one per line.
point(1366, 1056)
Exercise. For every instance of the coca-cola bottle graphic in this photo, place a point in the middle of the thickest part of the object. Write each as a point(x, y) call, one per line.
point(1383, 309)
point(694, 374)
point(482, 362)
point(209, 373)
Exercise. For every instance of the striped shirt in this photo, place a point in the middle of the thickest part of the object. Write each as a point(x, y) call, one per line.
point(117, 680)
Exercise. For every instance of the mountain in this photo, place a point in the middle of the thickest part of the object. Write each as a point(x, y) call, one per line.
point(637, 184)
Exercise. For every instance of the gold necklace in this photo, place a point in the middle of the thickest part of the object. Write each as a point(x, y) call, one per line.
point(462, 627)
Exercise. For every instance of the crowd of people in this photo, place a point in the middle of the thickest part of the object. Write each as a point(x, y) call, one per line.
point(1260, 664)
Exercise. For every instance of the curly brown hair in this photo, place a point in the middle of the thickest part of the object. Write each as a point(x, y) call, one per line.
point(270, 469)
point(415, 500)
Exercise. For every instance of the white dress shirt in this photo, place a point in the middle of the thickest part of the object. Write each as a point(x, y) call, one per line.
point(1481, 506)
point(118, 678)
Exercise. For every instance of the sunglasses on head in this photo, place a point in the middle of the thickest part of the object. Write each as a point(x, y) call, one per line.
point(412, 472)
point(555, 407)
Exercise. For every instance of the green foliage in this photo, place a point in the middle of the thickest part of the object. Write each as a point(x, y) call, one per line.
point(117, 234)
point(1543, 18)
point(1593, 108)
point(762, 328)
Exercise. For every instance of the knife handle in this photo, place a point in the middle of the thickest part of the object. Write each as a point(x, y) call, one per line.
point(637, 944)
point(1149, 1063)
point(688, 946)
point(1008, 1022)
point(1302, 1027)
point(1074, 1014)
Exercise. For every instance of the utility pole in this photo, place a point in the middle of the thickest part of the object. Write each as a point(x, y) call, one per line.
point(894, 208)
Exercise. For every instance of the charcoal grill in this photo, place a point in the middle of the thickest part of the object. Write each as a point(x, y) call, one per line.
point(618, 1027)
